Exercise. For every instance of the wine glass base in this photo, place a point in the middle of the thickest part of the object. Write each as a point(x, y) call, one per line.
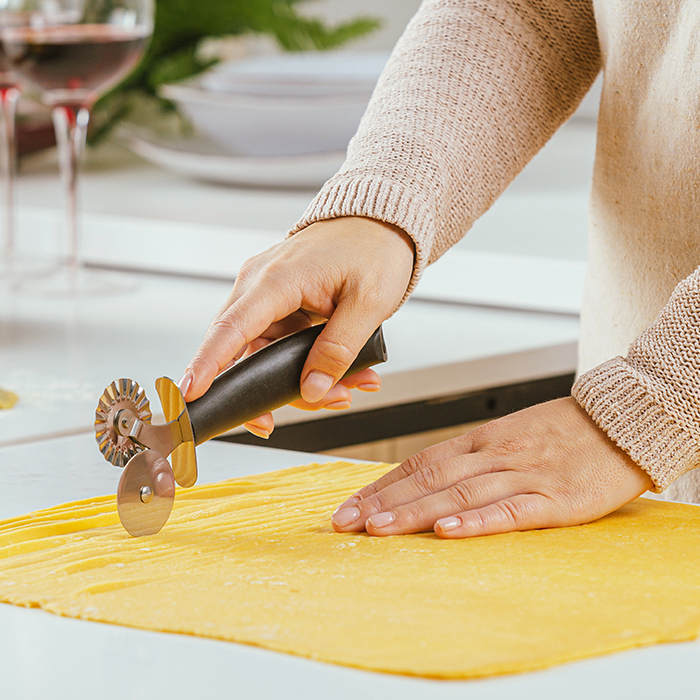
point(16, 269)
point(69, 283)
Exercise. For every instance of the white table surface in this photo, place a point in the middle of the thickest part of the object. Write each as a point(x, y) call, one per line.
point(46, 656)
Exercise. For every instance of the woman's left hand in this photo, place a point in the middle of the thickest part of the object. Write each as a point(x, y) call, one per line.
point(545, 466)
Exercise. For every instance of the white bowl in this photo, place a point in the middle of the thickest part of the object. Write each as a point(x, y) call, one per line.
point(271, 125)
point(302, 74)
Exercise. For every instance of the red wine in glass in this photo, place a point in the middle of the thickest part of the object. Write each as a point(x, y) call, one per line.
point(74, 63)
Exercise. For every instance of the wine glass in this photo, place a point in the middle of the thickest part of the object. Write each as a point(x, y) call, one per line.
point(9, 94)
point(72, 51)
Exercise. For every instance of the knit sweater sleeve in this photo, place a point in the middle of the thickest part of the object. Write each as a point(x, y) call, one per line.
point(649, 402)
point(471, 92)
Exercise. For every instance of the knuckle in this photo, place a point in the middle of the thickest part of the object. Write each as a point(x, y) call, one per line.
point(397, 474)
point(275, 268)
point(255, 266)
point(427, 479)
point(479, 439)
point(367, 491)
point(413, 464)
point(374, 504)
point(499, 438)
point(271, 271)
point(337, 356)
point(411, 517)
point(480, 520)
point(225, 324)
point(247, 269)
point(462, 494)
point(511, 512)
point(482, 430)
point(466, 443)
point(225, 334)
point(481, 435)
point(203, 363)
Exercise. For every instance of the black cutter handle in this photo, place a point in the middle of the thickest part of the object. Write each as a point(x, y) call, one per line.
point(264, 381)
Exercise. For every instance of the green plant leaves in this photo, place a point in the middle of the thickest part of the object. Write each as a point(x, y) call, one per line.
point(180, 26)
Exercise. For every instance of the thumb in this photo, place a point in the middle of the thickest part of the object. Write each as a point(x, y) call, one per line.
point(335, 349)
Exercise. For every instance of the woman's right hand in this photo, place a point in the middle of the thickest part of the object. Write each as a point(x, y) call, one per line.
point(352, 271)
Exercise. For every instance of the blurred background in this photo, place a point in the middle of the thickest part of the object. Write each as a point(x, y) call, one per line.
point(258, 109)
point(208, 152)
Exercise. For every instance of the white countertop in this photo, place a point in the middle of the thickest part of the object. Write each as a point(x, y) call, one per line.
point(46, 656)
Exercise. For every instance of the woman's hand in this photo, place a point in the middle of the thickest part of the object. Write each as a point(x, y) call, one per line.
point(545, 466)
point(352, 271)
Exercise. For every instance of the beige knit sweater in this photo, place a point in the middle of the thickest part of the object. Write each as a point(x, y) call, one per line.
point(474, 88)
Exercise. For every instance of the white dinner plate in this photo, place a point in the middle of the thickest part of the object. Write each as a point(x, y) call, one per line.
point(199, 158)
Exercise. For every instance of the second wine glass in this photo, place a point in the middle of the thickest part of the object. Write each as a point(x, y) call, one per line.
point(9, 94)
point(73, 51)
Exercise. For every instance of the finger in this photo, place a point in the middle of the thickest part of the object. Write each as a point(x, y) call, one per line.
point(293, 323)
point(338, 344)
point(430, 479)
point(422, 513)
point(337, 399)
point(364, 380)
point(521, 512)
point(261, 426)
point(241, 323)
point(434, 454)
point(243, 351)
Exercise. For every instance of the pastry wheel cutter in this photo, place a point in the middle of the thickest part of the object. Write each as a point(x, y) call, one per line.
point(266, 380)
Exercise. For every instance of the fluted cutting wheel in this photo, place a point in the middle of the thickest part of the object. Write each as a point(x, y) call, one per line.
point(124, 393)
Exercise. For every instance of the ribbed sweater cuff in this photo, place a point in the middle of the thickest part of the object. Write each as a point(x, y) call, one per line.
point(379, 199)
point(615, 397)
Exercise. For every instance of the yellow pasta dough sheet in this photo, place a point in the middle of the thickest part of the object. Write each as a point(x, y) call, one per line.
point(255, 561)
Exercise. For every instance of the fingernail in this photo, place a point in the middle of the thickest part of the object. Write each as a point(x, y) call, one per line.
point(257, 431)
point(346, 516)
point(369, 387)
point(348, 504)
point(447, 524)
point(316, 386)
point(185, 383)
point(382, 519)
point(337, 406)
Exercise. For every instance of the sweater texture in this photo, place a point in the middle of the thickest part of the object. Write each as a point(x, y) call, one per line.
point(473, 89)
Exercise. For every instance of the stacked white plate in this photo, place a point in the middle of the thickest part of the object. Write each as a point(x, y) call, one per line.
point(280, 120)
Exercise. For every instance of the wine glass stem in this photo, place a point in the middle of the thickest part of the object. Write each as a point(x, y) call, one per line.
point(8, 104)
point(70, 123)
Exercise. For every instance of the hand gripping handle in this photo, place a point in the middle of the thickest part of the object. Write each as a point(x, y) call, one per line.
point(264, 381)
